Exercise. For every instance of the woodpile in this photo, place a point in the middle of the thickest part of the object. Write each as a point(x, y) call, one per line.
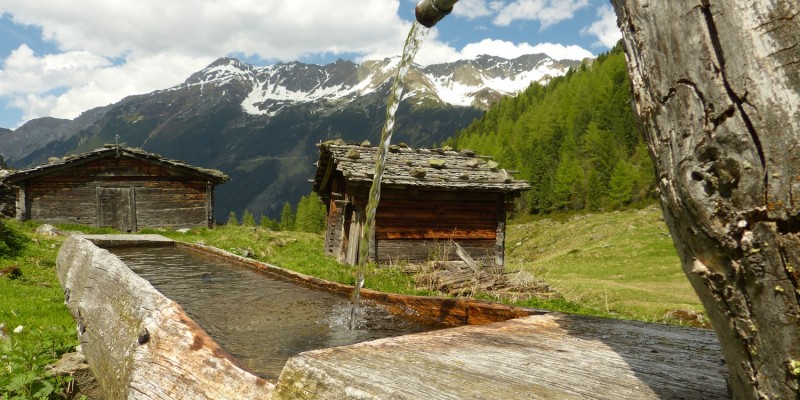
point(457, 278)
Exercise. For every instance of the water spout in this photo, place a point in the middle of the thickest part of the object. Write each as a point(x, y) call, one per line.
point(429, 12)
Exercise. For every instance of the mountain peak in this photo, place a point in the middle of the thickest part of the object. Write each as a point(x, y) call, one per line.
point(222, 70)
point(478, 82)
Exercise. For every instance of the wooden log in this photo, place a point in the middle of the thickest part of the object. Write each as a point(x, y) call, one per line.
point(715, 84)
point(552, 356)
point(139, 344)
point(427, 233)
point(464, 255)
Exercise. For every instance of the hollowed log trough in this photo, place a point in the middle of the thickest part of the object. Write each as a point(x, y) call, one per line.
point(142, 345)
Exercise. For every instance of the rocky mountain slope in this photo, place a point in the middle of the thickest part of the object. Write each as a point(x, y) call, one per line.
point(260, 124)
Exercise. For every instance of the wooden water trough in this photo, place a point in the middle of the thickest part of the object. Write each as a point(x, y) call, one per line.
point(142, 345)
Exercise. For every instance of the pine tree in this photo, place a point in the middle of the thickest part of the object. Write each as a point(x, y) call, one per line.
point(232, 221)
point(287, 218)
point(596, 192)
point(302, 219)
point(248, 219)
point(311, 214)
point(568, 184)
point(620, 190)
point(268, 223)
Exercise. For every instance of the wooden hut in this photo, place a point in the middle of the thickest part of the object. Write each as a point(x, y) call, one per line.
point(123, 188)
point(431, 199)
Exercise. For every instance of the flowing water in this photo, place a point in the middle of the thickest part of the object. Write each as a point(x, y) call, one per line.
point(260, 318)
point(413, 41)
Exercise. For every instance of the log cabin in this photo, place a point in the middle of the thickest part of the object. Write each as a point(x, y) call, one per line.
point(431, 200)
point(117, 187)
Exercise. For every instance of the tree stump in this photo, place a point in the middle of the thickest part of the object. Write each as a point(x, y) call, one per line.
point(716, 86)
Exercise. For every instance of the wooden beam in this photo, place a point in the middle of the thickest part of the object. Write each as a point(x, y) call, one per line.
point(22, 206)
point(501, 237)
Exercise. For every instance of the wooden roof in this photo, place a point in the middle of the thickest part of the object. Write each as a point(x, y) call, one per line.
point(442, 169)
point(56, 165)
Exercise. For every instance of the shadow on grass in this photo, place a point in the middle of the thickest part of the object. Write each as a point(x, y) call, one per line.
point(12, 242)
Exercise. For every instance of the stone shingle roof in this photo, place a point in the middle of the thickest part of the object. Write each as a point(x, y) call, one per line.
point(58, 164)
point(422, 168)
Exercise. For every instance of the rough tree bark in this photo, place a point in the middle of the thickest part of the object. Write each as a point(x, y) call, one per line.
point(716, 86)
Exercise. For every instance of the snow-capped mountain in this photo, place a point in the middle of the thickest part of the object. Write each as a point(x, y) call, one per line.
point(260, 124)
point(467, 83)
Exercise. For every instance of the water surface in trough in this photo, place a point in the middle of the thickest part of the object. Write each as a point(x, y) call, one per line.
point(260, 318)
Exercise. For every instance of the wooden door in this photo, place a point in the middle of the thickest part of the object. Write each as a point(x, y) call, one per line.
point(116, 208)
point(353, 238)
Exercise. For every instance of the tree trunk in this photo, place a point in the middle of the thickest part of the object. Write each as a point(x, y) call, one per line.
point(716, 85)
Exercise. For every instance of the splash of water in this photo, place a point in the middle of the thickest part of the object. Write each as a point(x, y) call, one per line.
point(413, 41)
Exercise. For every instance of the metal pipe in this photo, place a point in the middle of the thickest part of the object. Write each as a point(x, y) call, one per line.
point(429, 12)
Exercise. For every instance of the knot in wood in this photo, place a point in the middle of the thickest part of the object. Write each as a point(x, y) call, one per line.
point(144, 337)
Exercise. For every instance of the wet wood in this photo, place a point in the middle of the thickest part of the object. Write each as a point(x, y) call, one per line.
point(552, 356)
point(138, 343)
point(429, 310)
point(715, 86)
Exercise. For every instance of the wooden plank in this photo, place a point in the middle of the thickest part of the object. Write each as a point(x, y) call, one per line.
point(22, 202)
point(551, 356)
point(441, 224)
point(412, 232)
point(464, 255)
point(501, 239)
point(391, 251)
point(441, 213)
point(210, 205)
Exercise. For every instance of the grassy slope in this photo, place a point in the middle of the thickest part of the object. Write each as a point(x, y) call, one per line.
point(34, 303)
point(623, 263)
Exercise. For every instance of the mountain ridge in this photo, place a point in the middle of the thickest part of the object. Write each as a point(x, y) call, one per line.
point(260, 124)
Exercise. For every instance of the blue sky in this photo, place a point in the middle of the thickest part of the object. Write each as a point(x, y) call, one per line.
point(60, 58)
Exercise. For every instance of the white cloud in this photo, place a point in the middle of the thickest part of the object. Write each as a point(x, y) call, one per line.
point(281, 30)
point(546, 12)
point(437, 52)
point(22, 71)
point(605, 28)
point(507, 49)
point(472, 9)
point(64, 85)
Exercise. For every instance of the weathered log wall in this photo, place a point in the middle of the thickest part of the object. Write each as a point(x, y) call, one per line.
point(160, 198)
point(716, 85)
point(418, 225)
point(139, 344)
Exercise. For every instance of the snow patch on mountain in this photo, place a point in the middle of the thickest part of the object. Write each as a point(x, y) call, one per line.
point(476, 82)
